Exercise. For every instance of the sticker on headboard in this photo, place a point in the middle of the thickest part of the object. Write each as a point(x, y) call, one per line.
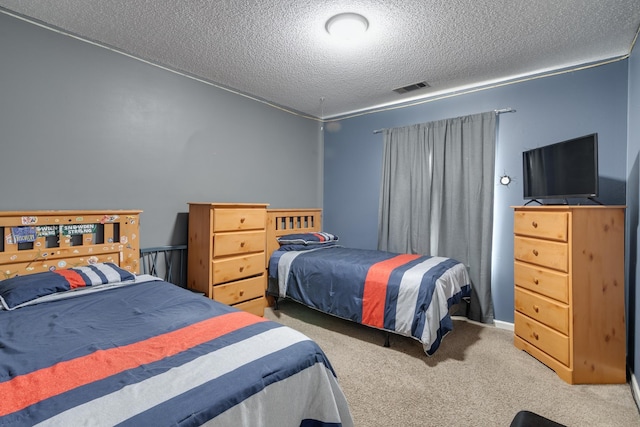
point(29, 220)
point(24, 234)
point(75, 229)
point(109, 218)
point(47, 230)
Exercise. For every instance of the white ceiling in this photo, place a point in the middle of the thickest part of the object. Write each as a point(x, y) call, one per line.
point(278, 50)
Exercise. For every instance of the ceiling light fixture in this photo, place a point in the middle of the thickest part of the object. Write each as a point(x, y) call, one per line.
point(347, 26)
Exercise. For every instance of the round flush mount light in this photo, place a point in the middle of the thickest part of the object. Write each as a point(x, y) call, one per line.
point(347, 26)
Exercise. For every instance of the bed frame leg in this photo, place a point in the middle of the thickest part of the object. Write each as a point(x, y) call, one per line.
point(386, 339)
point(276, 306)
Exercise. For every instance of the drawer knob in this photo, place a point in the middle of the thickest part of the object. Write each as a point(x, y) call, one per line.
point(535, 252)
point(536, 308)
point(535, 335)
point(534, 224)
point(242, 220)
point(242, 244)
point(241, 269)
point(241, 292)
point(536, 281)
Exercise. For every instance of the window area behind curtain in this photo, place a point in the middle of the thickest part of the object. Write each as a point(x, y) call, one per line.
point(437, 196)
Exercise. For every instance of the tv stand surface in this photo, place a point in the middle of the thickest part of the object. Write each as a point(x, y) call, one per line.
point(564, 202)
point(596, 201)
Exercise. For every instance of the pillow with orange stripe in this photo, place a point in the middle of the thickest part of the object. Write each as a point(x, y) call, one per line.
point(21, 289)
point(325, 245)
point(307, 238)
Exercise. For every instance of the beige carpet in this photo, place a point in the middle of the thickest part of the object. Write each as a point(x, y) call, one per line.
point(476, 378)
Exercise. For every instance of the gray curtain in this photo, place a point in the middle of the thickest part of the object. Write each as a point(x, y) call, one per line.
point(437, 196)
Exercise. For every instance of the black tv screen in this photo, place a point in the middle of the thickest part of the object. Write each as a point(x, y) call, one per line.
point(562, 170)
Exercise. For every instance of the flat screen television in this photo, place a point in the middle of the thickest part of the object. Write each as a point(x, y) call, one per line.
point(567, 169)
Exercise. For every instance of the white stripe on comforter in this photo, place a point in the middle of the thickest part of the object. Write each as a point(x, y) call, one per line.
point(160, 388)
point(408, 294)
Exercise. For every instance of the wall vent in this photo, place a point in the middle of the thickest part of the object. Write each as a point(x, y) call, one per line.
point(412, 87)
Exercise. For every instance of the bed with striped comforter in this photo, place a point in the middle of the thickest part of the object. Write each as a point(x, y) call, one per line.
point(152, 354)
point(405, 294)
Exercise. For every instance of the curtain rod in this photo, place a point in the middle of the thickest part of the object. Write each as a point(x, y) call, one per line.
point(499, 111)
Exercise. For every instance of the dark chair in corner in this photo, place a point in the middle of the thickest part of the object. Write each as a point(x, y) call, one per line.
point(530, 419)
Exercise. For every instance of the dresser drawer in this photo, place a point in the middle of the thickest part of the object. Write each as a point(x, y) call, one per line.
point(254, 306)
point(542, 252)
point(241, 290)
point(542, 309)
point(239, 267)
point(553, 284)
point(546, 339)
point(547, 225)
point(240, 242)
point(239, 219)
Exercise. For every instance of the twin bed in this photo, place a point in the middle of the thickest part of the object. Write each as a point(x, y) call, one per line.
point(404, 294)
point(86, 340)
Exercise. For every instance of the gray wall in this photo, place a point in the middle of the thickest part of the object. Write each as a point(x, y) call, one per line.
point(633, 221)
point(83, 127)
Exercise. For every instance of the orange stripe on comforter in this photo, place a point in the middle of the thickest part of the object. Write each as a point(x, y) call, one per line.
point(375, 288)
point(28, 389)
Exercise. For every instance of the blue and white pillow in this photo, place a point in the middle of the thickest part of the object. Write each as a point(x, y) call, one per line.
point(19, 290)
point(317, 238)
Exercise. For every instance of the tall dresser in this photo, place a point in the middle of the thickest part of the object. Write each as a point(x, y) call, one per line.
point(226, 253)
point(569, 290)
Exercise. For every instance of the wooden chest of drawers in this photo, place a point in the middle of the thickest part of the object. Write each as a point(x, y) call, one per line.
point(569, 290)
point(227, 243)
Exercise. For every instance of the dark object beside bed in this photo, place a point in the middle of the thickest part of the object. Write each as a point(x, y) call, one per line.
point(531, 419)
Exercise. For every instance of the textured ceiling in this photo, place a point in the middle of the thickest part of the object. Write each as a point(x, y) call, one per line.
point(278, 50)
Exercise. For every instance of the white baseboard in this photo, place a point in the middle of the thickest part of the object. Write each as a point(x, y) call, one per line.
point(496, 323)
point(503, 325)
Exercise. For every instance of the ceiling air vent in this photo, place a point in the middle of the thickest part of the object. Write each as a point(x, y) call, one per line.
point(412, 87)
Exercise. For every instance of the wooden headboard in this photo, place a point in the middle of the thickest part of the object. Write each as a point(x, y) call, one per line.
point(36, 241)
point(287, 221)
